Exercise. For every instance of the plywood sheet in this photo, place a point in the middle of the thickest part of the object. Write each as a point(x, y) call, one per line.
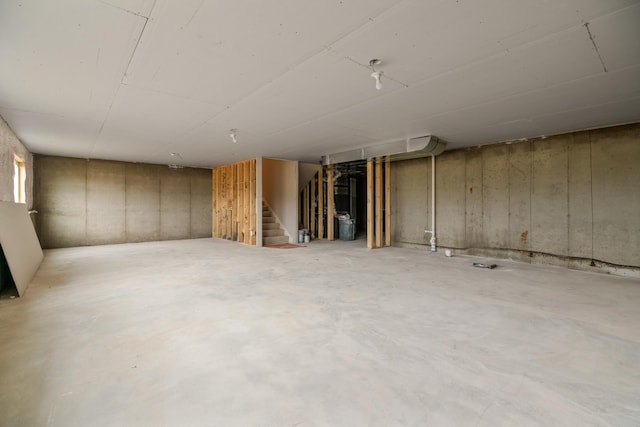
point(19, 243)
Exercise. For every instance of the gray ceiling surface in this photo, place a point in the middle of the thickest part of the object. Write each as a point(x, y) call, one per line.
point(137, 80)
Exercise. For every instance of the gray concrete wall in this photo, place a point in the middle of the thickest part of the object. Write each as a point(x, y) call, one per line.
point(411, 201)
point(566, 199)
point(94, 202)
point(11, 146)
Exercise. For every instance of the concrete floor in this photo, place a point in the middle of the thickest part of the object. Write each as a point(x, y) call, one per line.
point(213, 333)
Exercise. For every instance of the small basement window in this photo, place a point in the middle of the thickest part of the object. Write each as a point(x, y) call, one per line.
point(19, 180)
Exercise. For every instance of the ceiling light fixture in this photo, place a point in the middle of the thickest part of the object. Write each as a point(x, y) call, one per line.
point(177, 164)
point(377, 75)
point(233, 133)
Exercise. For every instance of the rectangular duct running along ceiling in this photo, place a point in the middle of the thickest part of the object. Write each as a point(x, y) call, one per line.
point(404, 149)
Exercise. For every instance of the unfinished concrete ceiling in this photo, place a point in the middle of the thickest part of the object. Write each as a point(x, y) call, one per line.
point(137, 80)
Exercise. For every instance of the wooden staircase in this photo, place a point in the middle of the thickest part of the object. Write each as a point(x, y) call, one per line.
point(272, 232)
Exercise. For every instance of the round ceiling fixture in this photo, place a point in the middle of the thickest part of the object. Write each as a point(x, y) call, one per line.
point(377, 75)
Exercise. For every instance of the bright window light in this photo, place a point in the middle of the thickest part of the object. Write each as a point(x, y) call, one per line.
point(19, 180)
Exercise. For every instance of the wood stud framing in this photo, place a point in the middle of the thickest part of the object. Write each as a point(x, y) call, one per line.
point(253, 203)
point(370, 203)
point(234, 204)
point(387, 201)
point(330, 204)
point(246, 205)
point(378, 217)
point(378, 202)
point(314, 204)
point(321, 203)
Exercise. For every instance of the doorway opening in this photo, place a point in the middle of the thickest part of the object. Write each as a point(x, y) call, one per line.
point(350, 198)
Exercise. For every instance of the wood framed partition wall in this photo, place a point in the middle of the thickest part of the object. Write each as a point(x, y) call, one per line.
point(378, 202)
point(318, 204)
point(234, 202)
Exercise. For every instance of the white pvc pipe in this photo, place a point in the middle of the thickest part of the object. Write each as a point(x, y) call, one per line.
point(432, 241)
point(433, 203)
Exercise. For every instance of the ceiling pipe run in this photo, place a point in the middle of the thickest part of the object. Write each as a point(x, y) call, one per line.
point(411, 148)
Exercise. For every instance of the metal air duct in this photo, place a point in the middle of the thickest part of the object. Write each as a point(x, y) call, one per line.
point(411, 148)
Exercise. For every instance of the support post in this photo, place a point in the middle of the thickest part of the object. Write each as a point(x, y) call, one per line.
point(330, 205)
point(378, 215)
point(231, 182)
point(321, 203)
point(433, 203)
point(252, 203)
point(387, 201)
point(312, 207)
point(246, 215)
point(305, 207)
point(240, 203)
point(369, 204)
point(214, 204)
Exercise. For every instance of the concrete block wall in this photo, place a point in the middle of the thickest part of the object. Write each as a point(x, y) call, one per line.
point(94, 202)
point(11, 146)
point(566, 200)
